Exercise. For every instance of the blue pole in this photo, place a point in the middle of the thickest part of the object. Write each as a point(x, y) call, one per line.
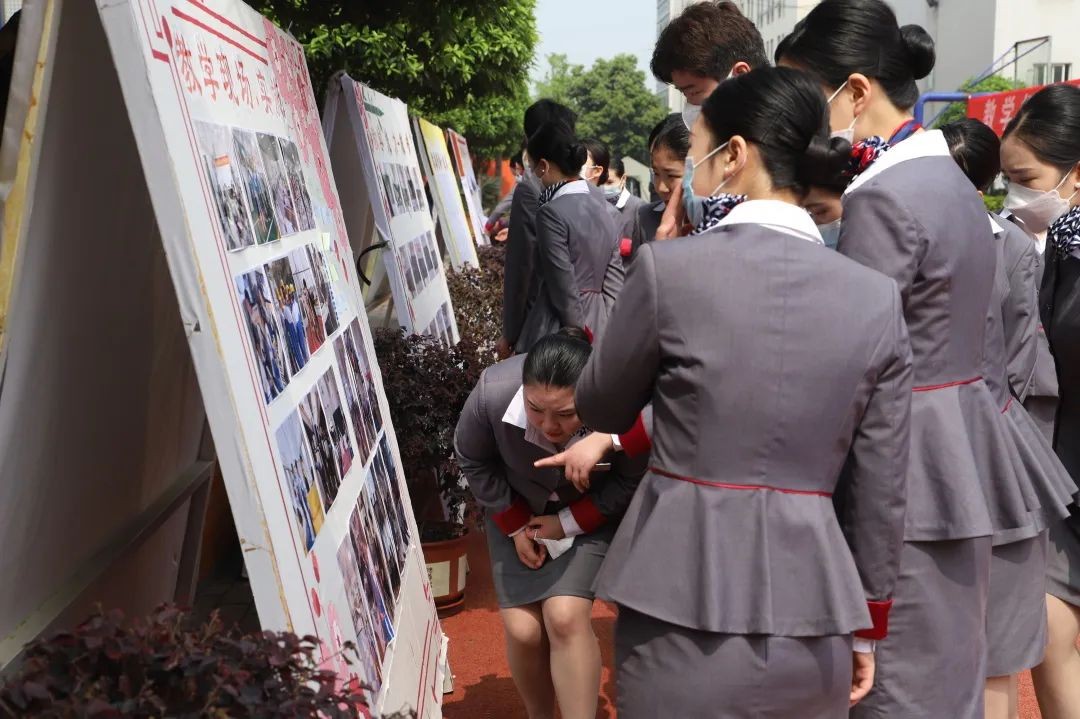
point(926, 97)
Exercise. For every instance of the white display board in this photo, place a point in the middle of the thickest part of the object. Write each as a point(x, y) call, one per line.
point(395, 190)
point(442, 179)
point(469, 185)
point(231, 145)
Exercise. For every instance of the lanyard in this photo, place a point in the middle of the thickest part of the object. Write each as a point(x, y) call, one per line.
point(906, 129)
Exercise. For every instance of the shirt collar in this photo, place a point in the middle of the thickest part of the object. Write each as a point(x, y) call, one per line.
point(994, 225)
point(781, 216)
point(925, 144)
point(624, 197)
point(577, 187)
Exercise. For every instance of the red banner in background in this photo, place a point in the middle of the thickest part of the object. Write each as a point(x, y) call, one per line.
point(997, 109)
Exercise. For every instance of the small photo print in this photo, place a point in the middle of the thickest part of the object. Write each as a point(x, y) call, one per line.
point(257, 186)
point(360, 422)
point(305, 216)
point(268, 344)
point(326, 302)
point(372, 578)
point(299, 476)
point(359, 611)
point(313, 333)
point(387, 486)
point(339, 428)
point(223, 173)
point(321, 444)
point(284, 208)
point(388, 189)
point(289, 314)
point(379, 523)
point(361, 374)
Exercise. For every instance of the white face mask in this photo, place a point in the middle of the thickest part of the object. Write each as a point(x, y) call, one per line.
point(830, 233)
point(1035, 208)
point(849, 133)
point(690, 113)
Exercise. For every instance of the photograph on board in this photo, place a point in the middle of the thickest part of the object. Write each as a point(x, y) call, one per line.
point(380, 526)
point(317, 433)
point(223, 173)
point(288, 309)
point(360, 614)
point(313, 333)
point(344, 450)
point(372, 578)
point(257, 186)
point(326, 302)
point(386, 483)
point(284, 208)
point(373, 534)
point(360, 373)
point(385, 458)
point(305, 216)
point(299, 479)
point(264, 333)
point(387, 189)
point(361, 424)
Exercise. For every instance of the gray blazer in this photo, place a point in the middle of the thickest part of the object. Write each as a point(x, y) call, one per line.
point(914, 216)
point(1019, 259)
point(762, 381)
point(580, 269)
point(627, 213)
point(519, 285)
point(646, 224)
point(497, 460)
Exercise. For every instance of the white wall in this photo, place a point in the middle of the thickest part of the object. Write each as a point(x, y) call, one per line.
point(1025, 19)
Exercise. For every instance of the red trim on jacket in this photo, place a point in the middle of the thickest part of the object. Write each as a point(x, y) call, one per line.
point(636, 441)
point(514, 517)
point(958, 383)
point(587, 516)
point(879, 615)
point(727, 485)
point(626, 247)
point(588, 334)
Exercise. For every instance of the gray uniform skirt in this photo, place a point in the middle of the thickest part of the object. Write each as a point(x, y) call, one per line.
point(1016, 612)
point(933, 662)
point(1063, 559)
point(571, 575)
point(666, 670)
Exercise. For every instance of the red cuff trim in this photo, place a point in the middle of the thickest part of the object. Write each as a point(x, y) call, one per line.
point(626, 246)
point(588, 334)
point(514, 518)
point(586, 515)
point(879, 614)
point(636, 442)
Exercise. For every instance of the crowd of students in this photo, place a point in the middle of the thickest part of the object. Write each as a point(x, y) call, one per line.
point(811, 420)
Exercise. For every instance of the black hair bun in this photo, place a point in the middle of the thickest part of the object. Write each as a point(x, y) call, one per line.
point(824, 162)
point(574, 333)
point(920, 50)
point(578, 154)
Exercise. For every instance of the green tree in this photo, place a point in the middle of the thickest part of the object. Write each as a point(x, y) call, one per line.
point(611, 100)
point(958, 110)
point(457, 64)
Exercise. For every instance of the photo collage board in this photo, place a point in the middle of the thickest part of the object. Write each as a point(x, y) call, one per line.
point(446, 192)
point(234, 153)
point(469, 185)
point(414, 264)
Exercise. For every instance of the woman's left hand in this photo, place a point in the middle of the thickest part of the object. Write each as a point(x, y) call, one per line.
point(547, 526)
point(580, 459)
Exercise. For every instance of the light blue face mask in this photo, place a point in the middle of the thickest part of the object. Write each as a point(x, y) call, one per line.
point(695, 210)
point(830, 233)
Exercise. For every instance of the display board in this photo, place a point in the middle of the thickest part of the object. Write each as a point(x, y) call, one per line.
point(231, 145)
point(469, 185)
point(395, 189)
point(442, 179)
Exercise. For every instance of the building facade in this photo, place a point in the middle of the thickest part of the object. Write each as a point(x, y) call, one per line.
point(970, 35)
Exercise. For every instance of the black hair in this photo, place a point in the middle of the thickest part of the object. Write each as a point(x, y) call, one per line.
point(557, 143)
point(841, 37)
point(601, 157)
point(617, 167)
point(672, 133)
point(543, 111)
point(1049, 123)
point(516, 161)
point(707, 39)
point(783, 112)
point(976, 148)
point(558, 359)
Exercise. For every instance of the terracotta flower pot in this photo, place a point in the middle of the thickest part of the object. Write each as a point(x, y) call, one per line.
point(447, 566)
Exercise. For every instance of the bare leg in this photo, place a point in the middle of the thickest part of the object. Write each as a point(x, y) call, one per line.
point(1057, 679)
point(528, 654)
point(1002, 698)
point(575, 655)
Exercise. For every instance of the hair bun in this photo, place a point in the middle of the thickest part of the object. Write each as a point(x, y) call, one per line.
point(824, 162)
point(578, 154)
point(920, 50)
point(574, 333)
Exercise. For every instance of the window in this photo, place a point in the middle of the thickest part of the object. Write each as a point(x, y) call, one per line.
point(1061, 71)
point(1053, 72)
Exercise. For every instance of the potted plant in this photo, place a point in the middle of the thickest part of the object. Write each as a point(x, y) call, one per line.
point(168, 665)
point(477, 297)
point(426, 385)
